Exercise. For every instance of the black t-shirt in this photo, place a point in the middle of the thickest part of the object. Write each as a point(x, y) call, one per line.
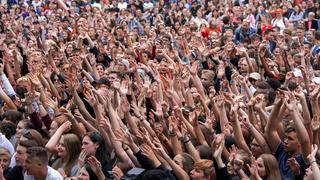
point(15, 173)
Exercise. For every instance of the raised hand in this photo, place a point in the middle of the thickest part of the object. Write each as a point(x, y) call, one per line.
point(123, 137)
point(253, 168)
point(315, 123)
point(217, 146)
point(117, 173)
point(95, 165)
point(90, 98)
point(66, 126)
point(294, 165)
point(82, 158)
point(312, 156)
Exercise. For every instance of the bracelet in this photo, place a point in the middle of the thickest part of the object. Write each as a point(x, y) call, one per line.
point(185, 142)
point(313, 162)
point(172, 134)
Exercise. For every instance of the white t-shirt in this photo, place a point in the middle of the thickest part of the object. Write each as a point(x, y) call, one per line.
point(280, 23)
point(5, 143)
point(52, 175)
point(122, 5)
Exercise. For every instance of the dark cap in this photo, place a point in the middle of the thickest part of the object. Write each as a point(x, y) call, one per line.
point(103, 80)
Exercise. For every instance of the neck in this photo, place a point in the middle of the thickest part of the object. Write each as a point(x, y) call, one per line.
point(42, 173)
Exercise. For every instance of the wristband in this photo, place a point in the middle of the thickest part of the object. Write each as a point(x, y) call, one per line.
point(172, 134)
point(313, 162)
point(185, 142)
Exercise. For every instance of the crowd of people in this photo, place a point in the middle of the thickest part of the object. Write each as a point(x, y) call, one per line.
point(167, 89)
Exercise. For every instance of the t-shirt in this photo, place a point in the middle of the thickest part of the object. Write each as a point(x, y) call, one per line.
point(5, 143)
point(282, 157)
point(52, 175)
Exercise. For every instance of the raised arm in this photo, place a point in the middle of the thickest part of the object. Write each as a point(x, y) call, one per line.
point(302, 132)
point(271, 128)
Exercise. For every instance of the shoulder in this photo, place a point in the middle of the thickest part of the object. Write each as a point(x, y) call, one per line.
point(53, 174)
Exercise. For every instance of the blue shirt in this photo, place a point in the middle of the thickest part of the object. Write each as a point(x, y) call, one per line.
point(285, 170)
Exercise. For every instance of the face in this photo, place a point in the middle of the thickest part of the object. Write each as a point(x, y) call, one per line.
point(89, 146)
point(62, 150)
point(243, 66)
point(206, 79)
point(4, 162)
point(21, 155)
point(32, 165)
point(237, 162)
point(19, 129)
point(245, 25)
point(197, 174)
point(255, 148)
point(100, 70)
point(291, 143)
point(53, 128)
point(261, 167)
point(83, 174)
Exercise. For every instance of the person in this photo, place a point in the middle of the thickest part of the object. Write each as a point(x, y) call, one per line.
point(160, 89)
point(17, 170)
point(203, 169)
point(36, 165)
point(311, 22)
point(244, 32)
point(265, 167)
point(5, 158)
point(93, 144)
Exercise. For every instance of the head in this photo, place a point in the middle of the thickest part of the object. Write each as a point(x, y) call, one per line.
point(57, 121)
point(31, 134)
point(86, 173)
point(94, 144)
point(243, 66)
point(291, 143)
point(185, 161)
point(23, 124)
point(12, 116)
point(256, 148)
point(207, 77)
point(242, 157)
point(203, 170)
point(21, 151)
point(37, 161)
point(69, 148)
point(245, 25)
point(5, 158)
point(268, 167)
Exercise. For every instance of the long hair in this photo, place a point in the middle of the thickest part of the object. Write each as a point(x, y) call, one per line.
point(101, 153)
point(73, 147)
point(271, 167)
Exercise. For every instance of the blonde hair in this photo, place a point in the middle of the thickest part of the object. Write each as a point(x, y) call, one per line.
point(271, 166)
point(206, 166)
point(5, 152)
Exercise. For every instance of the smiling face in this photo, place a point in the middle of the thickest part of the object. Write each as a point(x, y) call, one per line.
point(5, 158)
point(21, 155)
point(62, 149)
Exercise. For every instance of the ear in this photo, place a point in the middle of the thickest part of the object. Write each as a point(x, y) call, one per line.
point(96, 145)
